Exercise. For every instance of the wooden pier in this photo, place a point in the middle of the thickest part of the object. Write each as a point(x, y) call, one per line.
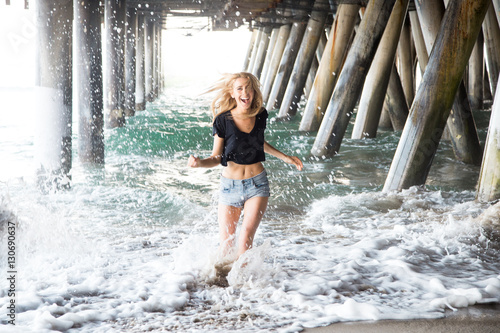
point(341, 57)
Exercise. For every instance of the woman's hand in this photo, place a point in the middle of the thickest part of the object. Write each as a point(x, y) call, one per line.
point(193, 161)
point(295, 161)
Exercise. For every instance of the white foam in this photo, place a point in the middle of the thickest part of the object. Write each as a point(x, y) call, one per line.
point(364, 256)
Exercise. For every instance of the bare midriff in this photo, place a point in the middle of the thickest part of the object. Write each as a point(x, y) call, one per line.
point(240, 171)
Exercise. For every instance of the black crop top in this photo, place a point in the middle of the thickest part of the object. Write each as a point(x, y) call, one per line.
point(241, 147)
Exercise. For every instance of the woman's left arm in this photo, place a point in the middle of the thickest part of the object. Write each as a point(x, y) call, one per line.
point(285, 158)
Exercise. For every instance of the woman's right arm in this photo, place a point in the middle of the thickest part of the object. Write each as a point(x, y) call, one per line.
point(211, 161)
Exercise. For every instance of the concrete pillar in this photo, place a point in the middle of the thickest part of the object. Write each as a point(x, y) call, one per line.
point(491, 32)
point(475, 78)
point(287, 61)
point(377, 80)
point(114, 14)
point(269, 55)
point(329, 67)
point(278, 50)
point(434, 99)
point(149, 59)
point(305, 56)
point(130, 61)
point(88, 98)
point(53, 90)
point(352, 77)
point(489, 179)
point(260, 56)
point(140, 80)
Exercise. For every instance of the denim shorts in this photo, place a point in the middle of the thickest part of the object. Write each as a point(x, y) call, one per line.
point(235, 192)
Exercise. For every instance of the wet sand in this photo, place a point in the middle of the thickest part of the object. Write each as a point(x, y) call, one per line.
point(476, 319)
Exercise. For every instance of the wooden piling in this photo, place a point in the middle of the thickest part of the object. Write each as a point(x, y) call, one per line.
point(261, 51)
point(395, 101)
point(491, 32)
point(461, 125)
point(377, 80)
point(269, 55)
point(475, 77)
point(156, 58)
point(352, 77)
point(148, 58)
point(88, 98)
point(329, 67)
point(140, 79)
point(489, 179)
point(130, 62)
point(286, 65)
point(113, 81)
point(434, 99)
point(53, 88)
point(251, 45)
point(295, 87)
point(406, 62)
point(255, 48)
point(278, 50)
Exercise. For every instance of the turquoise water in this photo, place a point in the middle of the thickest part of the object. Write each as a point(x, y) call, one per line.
point(131, 247)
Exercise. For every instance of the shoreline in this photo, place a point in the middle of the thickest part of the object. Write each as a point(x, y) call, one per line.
point(483, 318)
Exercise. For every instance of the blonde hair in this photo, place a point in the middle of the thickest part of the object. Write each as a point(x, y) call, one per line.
point(224, 102)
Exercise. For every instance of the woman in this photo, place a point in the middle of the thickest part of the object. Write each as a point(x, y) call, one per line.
point(239, 145)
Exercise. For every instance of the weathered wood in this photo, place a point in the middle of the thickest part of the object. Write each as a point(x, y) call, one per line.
point(406, 63)
point(351, 78)
point(149, 59)
point(418, 40)
point(491, 32)
point(251, 45)
point(269, 55)
point(475, 77)
point(113, 81)
point(489, 178)
point(315, 64)
point(255, 49)
point(377, 79)
point(261, 51)
point(140, 78)
point(53, 89)
point(278, 50)
point(395, 101)
point(130, 62)
point(434, 99)
point(496, 6)
point(88, 98)
point(302, 65)
point(286, 65)
point(461, 125)
point(330, 66)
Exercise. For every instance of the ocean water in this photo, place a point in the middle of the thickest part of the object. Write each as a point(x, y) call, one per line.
point(132, 246)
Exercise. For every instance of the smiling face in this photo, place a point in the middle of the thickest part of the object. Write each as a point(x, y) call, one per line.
point(243, 93)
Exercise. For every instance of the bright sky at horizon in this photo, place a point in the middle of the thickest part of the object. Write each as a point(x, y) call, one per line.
point(189, 54)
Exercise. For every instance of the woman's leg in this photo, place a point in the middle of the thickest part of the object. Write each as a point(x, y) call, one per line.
point(253, 211)
point(228, 221)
